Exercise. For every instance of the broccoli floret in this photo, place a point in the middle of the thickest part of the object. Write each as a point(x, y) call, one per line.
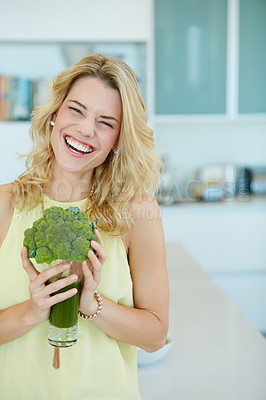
point(60, 235)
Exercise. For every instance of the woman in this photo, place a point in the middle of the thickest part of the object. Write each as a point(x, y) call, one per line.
point(92, 149)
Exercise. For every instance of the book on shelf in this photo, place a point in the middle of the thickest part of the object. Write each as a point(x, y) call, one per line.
point(19, 96)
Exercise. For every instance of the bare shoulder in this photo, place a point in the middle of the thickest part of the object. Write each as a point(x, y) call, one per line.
point(6, 210)
point(5, 198)
point(145, 208)
point(146, 220)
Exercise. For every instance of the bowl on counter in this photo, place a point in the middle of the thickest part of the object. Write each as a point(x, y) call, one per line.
point(145, 358)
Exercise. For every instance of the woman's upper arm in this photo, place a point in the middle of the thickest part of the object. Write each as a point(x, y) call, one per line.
point(6, 210)
point(148, 261)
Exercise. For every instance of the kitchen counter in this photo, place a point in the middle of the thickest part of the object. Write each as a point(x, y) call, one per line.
point(239, 229)
point(227, 239)
point(217, 354)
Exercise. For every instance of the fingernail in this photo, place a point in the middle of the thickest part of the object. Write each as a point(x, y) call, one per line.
point(73, 277)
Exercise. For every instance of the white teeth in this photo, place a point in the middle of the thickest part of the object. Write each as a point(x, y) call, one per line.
point(78, 146)
point(74, 151)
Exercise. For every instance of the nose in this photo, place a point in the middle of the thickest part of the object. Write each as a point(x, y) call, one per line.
point(87, 126)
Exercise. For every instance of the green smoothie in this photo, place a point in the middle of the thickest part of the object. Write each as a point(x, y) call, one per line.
point(65, 313)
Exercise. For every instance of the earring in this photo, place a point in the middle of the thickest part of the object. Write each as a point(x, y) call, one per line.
point(52, 123)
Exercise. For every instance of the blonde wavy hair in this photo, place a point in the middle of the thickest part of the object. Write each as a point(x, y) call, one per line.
point(128, 172)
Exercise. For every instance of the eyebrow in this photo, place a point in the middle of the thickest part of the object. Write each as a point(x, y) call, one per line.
point(79, 104)
point(101, 116)
point(108, 117)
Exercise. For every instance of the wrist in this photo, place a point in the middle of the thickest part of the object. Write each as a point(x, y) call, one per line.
point(29, 319)
point(33, 316)
point(94, 309)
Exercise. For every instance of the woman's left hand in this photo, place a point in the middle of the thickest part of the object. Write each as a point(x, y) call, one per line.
point(92, 275)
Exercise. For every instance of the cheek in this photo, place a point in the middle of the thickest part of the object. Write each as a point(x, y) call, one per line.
point(113, 140)
point(55, 140)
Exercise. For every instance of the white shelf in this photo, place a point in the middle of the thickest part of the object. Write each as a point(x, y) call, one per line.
point(85, 20)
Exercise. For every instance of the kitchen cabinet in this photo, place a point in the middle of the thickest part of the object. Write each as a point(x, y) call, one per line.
point(210, 58)
point(227, 239)
point(252, 56)
point(190, 56)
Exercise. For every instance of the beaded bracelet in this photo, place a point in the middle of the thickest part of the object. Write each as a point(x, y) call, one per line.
point(99, 309)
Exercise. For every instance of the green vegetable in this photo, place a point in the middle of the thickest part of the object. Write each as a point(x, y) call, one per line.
point(60, 235)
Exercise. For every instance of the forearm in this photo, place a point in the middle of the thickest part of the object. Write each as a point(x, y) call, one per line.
point(14, 322)
point(139, 327)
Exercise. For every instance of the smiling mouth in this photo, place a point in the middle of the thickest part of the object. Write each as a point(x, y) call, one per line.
point(77, 147)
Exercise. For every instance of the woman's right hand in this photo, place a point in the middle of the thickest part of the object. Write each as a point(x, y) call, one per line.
point(40, 300)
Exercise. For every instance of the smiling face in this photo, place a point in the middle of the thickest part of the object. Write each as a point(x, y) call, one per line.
point(86, 128)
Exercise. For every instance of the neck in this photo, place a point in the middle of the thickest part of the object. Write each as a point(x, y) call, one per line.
point(66, 188)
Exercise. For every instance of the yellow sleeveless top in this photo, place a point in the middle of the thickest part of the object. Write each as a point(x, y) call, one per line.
point(97, 367)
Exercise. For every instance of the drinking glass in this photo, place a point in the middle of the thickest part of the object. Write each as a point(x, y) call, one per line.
point(63, 320)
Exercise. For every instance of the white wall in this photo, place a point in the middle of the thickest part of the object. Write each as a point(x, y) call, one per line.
point(13, 141)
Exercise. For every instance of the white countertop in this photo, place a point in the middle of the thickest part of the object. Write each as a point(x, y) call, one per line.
point(217, 354)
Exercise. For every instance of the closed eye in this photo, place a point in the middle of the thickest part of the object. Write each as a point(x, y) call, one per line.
point(106, 123)
point(76, 110)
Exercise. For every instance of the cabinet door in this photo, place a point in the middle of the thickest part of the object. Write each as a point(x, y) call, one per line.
point(190, 56)
point(252, 56)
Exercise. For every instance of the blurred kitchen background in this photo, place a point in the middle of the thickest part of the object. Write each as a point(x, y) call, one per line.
point(201, 68)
